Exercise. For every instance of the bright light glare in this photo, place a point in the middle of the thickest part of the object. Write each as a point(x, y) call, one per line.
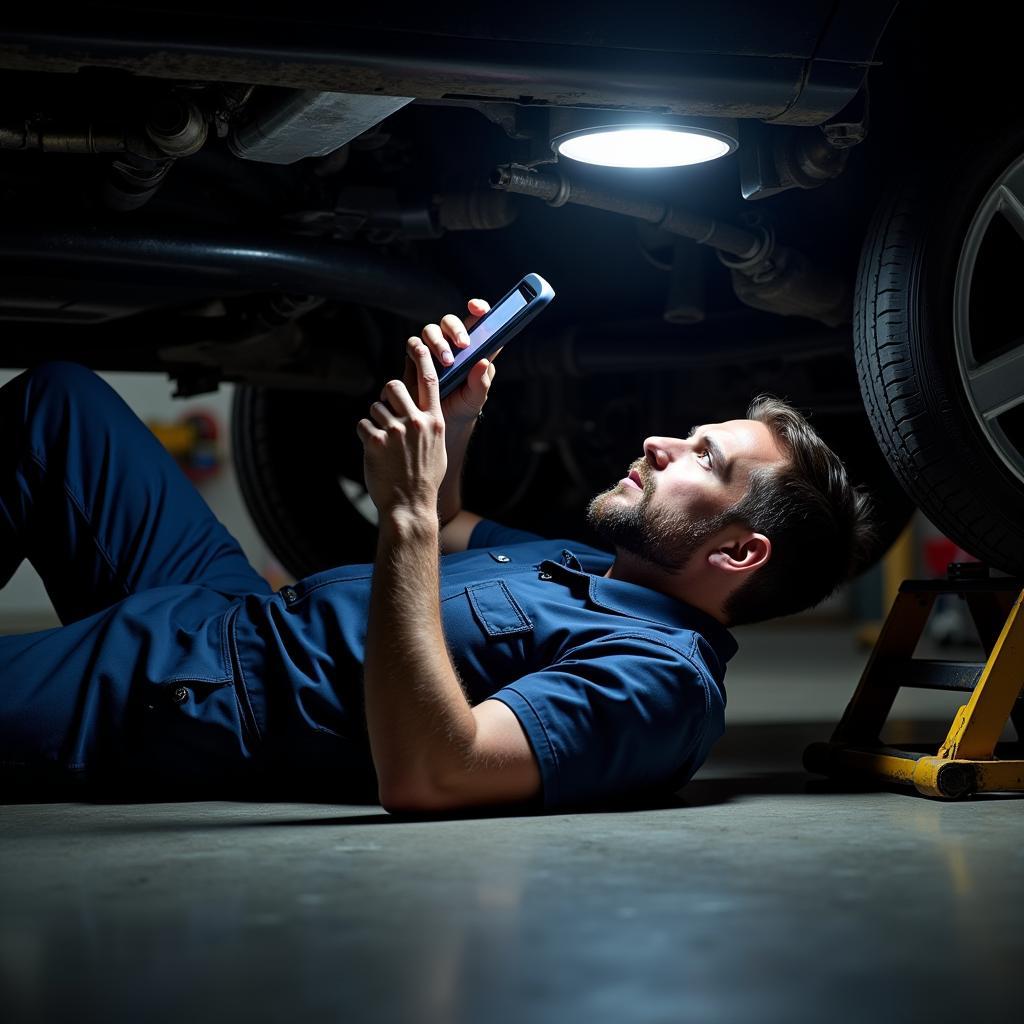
point(643, 147)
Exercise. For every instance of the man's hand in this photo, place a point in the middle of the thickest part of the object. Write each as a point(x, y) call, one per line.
point(404, 459)
point(445, 340)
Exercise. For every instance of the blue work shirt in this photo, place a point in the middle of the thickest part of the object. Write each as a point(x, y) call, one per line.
point(618, 688)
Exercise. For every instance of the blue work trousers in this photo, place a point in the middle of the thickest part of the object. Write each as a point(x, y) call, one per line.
point(137, 684)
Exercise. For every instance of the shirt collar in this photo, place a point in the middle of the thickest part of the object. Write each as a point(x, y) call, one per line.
point(644, 603)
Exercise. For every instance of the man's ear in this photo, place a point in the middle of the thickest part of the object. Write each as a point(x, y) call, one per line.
point(741, 553)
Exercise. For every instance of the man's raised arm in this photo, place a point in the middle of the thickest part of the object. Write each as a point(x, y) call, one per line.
point(431, 750)
point(461, 409)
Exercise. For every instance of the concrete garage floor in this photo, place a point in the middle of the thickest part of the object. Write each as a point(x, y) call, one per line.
point(762, 896)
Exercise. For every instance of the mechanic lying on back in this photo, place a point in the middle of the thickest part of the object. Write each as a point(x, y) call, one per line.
point(523, 671)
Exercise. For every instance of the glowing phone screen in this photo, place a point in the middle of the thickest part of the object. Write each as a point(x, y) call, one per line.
point(483, 331)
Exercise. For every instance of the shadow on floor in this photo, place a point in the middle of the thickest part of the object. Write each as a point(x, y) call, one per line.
point(750, 760)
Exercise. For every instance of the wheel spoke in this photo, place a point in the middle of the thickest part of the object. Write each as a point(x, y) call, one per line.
point(993, 385)
point(1011, 200)
point(998, 386)
point(1012, 209)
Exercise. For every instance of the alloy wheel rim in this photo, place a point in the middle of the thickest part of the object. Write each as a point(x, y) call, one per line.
point(992, 369)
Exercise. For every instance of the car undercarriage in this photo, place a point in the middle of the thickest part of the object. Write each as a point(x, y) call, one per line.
point(279, 201)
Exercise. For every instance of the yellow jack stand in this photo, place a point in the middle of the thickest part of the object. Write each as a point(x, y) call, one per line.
point(966, 762)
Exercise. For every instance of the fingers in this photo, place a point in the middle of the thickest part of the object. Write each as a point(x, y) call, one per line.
point(477, 308)
point(395, 400)
point(455, 330)
point(482, 375)
point(451, 335)
point(434, 338)
point(473, 394)
point(382, 415)
point(429, 390)
point(445, 338)
point(368, 433)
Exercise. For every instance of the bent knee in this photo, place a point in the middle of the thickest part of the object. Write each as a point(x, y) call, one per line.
point(59, 373)
point(52, 396)
point(60, 385)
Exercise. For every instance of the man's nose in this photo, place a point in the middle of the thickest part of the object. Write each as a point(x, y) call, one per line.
point(659, 451)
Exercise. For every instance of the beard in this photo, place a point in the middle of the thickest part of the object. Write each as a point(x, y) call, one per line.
point(662, 537)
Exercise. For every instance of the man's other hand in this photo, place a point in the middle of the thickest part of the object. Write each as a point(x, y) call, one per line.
point(445, 340)
point(404, 459)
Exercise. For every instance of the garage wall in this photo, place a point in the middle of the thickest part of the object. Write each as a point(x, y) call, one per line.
point(23, 602)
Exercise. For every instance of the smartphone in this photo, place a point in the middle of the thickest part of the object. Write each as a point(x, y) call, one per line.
point(502, 322)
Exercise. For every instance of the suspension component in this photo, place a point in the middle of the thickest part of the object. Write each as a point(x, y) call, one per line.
point(765, 275)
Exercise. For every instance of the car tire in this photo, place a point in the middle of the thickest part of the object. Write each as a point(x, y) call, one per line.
point(304, 492)
point(940, 371)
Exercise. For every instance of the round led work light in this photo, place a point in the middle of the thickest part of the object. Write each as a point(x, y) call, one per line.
point(594, 137)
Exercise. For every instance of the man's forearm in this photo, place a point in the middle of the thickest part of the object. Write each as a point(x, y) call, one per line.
point(449, 497)
point(419, 721)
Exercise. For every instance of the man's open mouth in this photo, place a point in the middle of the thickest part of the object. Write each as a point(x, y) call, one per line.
point(635, 477)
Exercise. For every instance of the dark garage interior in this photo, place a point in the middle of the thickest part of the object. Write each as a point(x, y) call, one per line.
point(412, 738)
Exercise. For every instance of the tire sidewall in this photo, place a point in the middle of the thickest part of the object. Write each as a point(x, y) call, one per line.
point(946, 453)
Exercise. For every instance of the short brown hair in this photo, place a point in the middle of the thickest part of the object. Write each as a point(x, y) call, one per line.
point(820, 525)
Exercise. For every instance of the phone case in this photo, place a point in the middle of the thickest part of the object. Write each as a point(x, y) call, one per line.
point(542, 293)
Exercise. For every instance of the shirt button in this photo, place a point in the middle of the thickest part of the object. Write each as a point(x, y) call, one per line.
point(501, 558)
point(180, 694)
point(546, 576)
point(289, 595)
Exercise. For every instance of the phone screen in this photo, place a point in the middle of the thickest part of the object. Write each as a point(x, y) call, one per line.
point(484, 330)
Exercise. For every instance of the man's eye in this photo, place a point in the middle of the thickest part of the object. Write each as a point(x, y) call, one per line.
point(702, 454)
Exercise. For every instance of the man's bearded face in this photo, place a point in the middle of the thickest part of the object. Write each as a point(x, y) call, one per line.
point(665, 537)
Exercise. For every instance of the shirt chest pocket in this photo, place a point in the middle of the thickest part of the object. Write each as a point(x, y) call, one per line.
point(497, 611)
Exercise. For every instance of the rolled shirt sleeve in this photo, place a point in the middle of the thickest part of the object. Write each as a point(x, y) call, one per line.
point(618, 716)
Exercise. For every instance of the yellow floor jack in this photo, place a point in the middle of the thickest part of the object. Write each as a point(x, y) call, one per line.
point(970, 759)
